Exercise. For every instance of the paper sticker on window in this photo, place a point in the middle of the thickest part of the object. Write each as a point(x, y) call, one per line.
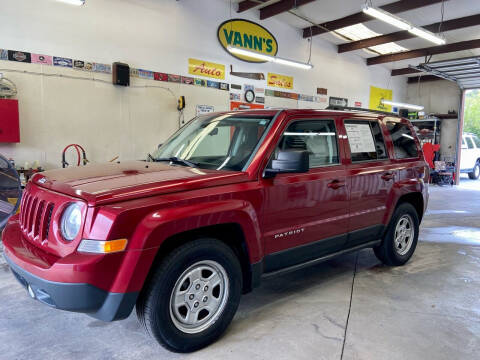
point(360, 138)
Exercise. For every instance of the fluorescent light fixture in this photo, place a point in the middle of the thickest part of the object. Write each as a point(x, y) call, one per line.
point(293, 63)
point(387, 17)
point(73, 2)
point(249, 53)
point(260, 56)
point(402, 24)
point(427, 35)
point(402, 105)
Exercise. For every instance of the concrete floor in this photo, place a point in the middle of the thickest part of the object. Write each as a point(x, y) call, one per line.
point(429, 308)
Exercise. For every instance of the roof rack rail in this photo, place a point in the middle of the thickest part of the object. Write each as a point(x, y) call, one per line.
point(337, 107)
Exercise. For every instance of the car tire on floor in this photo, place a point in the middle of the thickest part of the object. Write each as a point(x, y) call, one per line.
point(192, 296)
point(475, 174)
point(401, 237)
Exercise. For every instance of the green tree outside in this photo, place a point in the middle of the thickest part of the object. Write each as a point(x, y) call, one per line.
point(472, 112)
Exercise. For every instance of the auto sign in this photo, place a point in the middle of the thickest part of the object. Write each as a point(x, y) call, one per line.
point(247, 35)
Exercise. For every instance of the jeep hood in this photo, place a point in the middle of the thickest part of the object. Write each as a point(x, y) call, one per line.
point(111, 182)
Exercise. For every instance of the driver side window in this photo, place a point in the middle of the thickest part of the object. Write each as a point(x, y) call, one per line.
point(318, 137)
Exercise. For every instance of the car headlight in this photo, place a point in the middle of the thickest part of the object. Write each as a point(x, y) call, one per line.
point(71, 221)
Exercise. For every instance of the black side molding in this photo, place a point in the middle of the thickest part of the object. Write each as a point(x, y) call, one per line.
point(321, 259)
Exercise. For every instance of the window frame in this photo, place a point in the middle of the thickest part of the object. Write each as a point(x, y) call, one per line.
point(413, 134)
point(295, 120)
point(387, 158)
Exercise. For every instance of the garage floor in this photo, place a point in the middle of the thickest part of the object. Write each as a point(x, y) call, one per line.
point(429, 308)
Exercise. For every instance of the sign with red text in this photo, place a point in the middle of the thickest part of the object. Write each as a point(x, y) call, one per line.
point(280, 81)
point(204, 68)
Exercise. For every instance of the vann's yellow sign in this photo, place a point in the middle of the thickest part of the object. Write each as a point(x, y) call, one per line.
point(205, 68)
point(376, 95)
point(280, 81)
point(247, 35)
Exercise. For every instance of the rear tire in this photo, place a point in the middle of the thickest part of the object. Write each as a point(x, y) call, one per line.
point(475, 174)
point(401, 237)
point(192, 296)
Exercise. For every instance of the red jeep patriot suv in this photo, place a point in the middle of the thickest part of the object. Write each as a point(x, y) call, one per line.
point(229, 199)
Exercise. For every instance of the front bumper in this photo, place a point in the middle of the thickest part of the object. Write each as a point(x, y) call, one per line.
point(84, 298)
point(102, 286)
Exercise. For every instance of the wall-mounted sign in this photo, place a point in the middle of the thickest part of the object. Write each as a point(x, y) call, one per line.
point(247, 35)
point(204, 109)
point(237, 105)
point(336, 101)
point(42, 59)
point(205, 68)
point(20, 56)
point(63, 62)
point(376, 95)
point(322, 91)
point(280, 81)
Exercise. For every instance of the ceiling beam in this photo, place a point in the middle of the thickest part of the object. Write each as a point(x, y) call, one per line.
point(448, 25)
point(280, 7)
point(404, 71)
point(248, 4)
point(434, 50)
point(360, 17)
point(416, 79)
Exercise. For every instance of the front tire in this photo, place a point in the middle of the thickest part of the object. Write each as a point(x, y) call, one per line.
point(192, 296)
point(401, 237)
point(475, 174)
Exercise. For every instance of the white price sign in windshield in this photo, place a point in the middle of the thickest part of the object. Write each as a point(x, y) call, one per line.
point(360, 138)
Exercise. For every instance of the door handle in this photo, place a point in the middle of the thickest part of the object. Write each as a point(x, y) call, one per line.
point(387, 176)
point(336, 184)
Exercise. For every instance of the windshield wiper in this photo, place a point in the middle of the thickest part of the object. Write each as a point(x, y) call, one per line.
point(178, 161)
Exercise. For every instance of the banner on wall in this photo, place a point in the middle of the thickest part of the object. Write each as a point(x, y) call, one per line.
point(205, 68)
point(280, 81)
point(247, 35)
point(376, 95)
point(237, 105)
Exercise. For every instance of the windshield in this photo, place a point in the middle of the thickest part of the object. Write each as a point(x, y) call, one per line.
point(215, 142)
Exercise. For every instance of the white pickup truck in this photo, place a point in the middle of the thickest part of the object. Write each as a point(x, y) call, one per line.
point(470, 156)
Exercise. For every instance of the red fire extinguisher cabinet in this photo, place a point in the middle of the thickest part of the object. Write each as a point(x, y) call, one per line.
point(9, 121)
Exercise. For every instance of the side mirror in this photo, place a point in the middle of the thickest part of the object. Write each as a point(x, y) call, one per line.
point(292, 161)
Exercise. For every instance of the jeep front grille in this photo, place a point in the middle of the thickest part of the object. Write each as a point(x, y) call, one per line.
point(35, 216)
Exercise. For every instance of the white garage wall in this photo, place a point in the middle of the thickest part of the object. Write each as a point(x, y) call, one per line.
point(437, 96)
point(158, 35)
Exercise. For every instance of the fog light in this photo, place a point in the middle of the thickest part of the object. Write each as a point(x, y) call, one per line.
point(31, 292)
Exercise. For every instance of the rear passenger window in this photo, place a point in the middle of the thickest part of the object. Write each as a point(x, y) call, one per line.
point(318, 137)
point(403, 140)
point(470, 143)
point(476, 140)
point(365, 140)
